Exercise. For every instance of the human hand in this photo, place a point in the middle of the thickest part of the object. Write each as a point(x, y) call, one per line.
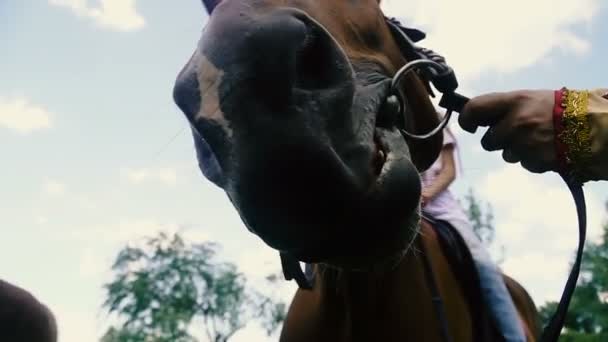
point(521, 124)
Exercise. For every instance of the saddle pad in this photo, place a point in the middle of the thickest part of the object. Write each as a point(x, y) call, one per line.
point(461, 262)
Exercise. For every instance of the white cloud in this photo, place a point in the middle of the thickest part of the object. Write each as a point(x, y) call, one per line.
point(535, 219)
point(75, 326)
point(54, 188)
point(23, 117)
point(542, 275)
point(531, 198)
point(166, 176)
point(42, 220)
point(134, 230)
point(94, 265)
point(479, 36)
point(120, 15)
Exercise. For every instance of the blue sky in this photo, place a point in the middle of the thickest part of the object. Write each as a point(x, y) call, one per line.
point(96, 153)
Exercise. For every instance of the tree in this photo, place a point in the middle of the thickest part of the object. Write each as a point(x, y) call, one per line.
point(483, 223)
point(160, 288)
point(587, 318)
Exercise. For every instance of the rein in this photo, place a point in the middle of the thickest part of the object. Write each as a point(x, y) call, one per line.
point(432, 68)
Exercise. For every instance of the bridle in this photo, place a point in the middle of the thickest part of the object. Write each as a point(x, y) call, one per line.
point(433, 69)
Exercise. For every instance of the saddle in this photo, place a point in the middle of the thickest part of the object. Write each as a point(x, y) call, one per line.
point(461, 262)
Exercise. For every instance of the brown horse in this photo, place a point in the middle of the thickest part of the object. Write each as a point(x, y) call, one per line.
point(23, 318)
point(287, 102)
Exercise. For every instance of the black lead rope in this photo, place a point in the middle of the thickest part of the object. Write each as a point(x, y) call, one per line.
point(438, 72)
point(553, 329)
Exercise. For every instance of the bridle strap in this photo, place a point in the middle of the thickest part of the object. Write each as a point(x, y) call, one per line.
point(293, 271)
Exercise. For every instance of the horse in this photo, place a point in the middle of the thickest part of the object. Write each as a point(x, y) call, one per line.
point(23, 318)
point(287, 101)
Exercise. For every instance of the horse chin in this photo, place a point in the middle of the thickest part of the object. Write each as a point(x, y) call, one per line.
point(382, 227)
point(388, 253)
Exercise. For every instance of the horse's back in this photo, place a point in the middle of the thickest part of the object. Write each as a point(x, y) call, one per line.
point(525, 307)
point(454, 246)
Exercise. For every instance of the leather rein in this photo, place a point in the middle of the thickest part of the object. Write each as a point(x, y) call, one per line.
point(433, 68)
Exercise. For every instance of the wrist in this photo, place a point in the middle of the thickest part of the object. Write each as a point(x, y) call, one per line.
point(572, 133)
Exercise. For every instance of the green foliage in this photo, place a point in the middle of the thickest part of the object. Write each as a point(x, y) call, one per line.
point(481, 220)
point(160, 288)
point(587, 318)
point(123, 335)
point(583, 337)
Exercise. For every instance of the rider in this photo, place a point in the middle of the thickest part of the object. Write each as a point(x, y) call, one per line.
point(562, 130)
point(440, 204)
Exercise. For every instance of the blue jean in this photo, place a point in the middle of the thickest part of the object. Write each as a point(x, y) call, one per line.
point(493, 288)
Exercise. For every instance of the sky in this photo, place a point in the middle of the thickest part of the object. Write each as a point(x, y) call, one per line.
point(96, 154)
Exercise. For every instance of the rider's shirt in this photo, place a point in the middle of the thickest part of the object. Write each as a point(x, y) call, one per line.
point(444, 206)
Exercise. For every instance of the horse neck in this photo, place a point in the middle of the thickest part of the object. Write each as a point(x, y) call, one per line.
point(397, 303)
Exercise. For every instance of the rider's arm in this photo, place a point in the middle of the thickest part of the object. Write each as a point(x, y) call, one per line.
point(583, 132)
point(524, 123)
point(447, 174)
point(598, 135)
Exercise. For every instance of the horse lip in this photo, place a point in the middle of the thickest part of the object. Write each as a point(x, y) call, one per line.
point(384, 145)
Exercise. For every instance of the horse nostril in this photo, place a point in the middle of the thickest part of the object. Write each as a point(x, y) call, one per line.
point(318, 61)
point(275, 43)
point(292, 50)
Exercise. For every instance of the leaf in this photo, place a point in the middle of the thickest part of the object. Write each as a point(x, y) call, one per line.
point(159, 289)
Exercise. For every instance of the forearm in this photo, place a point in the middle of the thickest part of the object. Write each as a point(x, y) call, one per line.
point(585, 133)
point(598, 122)
point(441, 183)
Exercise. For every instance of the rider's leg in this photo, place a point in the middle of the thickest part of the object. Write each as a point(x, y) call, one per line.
point(493, 288)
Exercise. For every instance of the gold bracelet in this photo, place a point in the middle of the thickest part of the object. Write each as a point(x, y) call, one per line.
point(576, 132)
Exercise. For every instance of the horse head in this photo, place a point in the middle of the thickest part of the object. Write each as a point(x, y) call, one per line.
point(287, 104)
